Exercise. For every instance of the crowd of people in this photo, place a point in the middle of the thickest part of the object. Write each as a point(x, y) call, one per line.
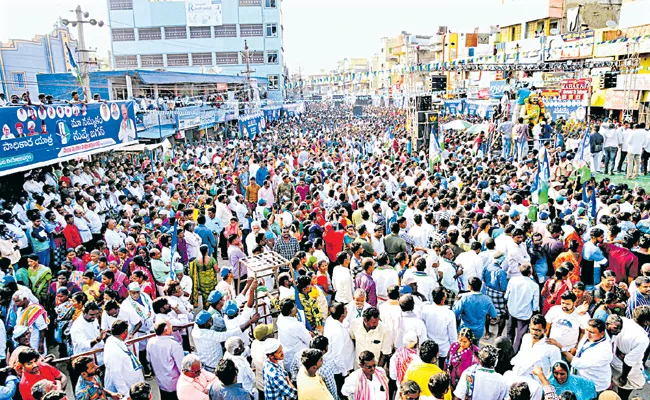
point(404, 279)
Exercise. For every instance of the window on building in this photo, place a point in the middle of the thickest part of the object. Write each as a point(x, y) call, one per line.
point(178, 60)
point(18, 80)
point(271, 3)
point(201, 58)
point(116, 5)
point(225, 31)
point(256, 57)
point(271, 57)
point(554, 25)
point(152, 60)
point(123, 35)
point(175, 32)
point(200, 32)
point(149, 34)
point(250, 3)
point(274, 82)
point(248, 30)
point(126, 61)
point(227, 57)
point(271, 30)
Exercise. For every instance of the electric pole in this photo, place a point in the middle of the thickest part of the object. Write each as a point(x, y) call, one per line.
point(248, 72)
point(82, 50)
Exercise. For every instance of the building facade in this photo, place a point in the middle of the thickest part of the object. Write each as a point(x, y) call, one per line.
point(21, 60)
point(180, 36)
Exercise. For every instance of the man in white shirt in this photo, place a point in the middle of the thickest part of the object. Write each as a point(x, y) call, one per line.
point(565, 322)
point(636, 140)
point(85, 333)
point(341, 348)
point(516, 253)
point(410, 321)
point(630, 343)
point(235, 349)
point(123, 369)
point(440, 322)
point(592, 356)
point(487, 383)
point(535, 351)
point(471, 263)
point(292, 333)
point(522, 297)
point(113, 238)
point(342, 279)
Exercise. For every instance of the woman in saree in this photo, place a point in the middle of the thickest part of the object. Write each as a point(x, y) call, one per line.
point(333, 241)
point(57, 240)
point(63, 311)
point(572, 256)
point(39, 277)
point(462, 355)
point(118, 274)
point(76, 262)
point(562, 380)
point(555, 287)
point(123, 260)
point(203, 271)
point(139, 264)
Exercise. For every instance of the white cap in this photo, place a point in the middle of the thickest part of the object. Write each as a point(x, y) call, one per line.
point(271, 346)
point(134, 287)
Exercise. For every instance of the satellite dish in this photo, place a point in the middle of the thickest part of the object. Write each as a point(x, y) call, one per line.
point(555, 31)
point(611, 24)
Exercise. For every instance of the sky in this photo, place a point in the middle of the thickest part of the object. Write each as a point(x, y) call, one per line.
point(317, 33)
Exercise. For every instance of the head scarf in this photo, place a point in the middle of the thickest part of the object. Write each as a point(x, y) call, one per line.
point(581, 387)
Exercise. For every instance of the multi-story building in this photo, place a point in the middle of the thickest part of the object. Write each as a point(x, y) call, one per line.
point(200, 36)
point(21, 60)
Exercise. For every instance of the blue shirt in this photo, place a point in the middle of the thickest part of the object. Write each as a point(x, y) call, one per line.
point(522, 95)
point(472, 308)
point(261, 175)
point(495, 278)
point(276, 386)
point(522, 295)
point(207, 237)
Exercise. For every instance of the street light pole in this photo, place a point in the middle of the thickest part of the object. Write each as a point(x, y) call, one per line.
point(81, 49)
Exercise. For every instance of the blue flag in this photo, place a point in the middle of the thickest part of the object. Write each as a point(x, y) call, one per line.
point(76, 72)
point(172, 274)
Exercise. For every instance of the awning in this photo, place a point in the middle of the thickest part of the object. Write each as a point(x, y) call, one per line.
point(156, 132)
point(143, 147)
point(169, 77)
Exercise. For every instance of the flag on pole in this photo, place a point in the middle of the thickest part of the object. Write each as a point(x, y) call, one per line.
point(76, 72)
point(590, 201)
point(435, 148)
point(172, 274)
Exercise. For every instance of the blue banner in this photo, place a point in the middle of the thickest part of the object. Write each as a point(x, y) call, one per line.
point(252, 125)
point(272, 113)
point(497, 88)
point(34, 136)
point(198, 117)
point(453, 107)
point(569, 109)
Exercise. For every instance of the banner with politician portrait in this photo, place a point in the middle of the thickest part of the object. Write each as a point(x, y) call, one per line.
point(38, 135)
point(252, 125)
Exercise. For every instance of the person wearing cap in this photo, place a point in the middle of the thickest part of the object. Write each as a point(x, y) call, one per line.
point(227, 284)
point(277, 385)
point(207, 340)
point(261, 333)
point(137, 310)
point(236, 318)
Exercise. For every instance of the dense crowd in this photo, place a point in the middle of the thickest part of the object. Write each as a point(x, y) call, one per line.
point(404, 278)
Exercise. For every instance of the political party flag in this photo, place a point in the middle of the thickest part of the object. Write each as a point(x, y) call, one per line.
point(172, 274)
point(76, 72)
